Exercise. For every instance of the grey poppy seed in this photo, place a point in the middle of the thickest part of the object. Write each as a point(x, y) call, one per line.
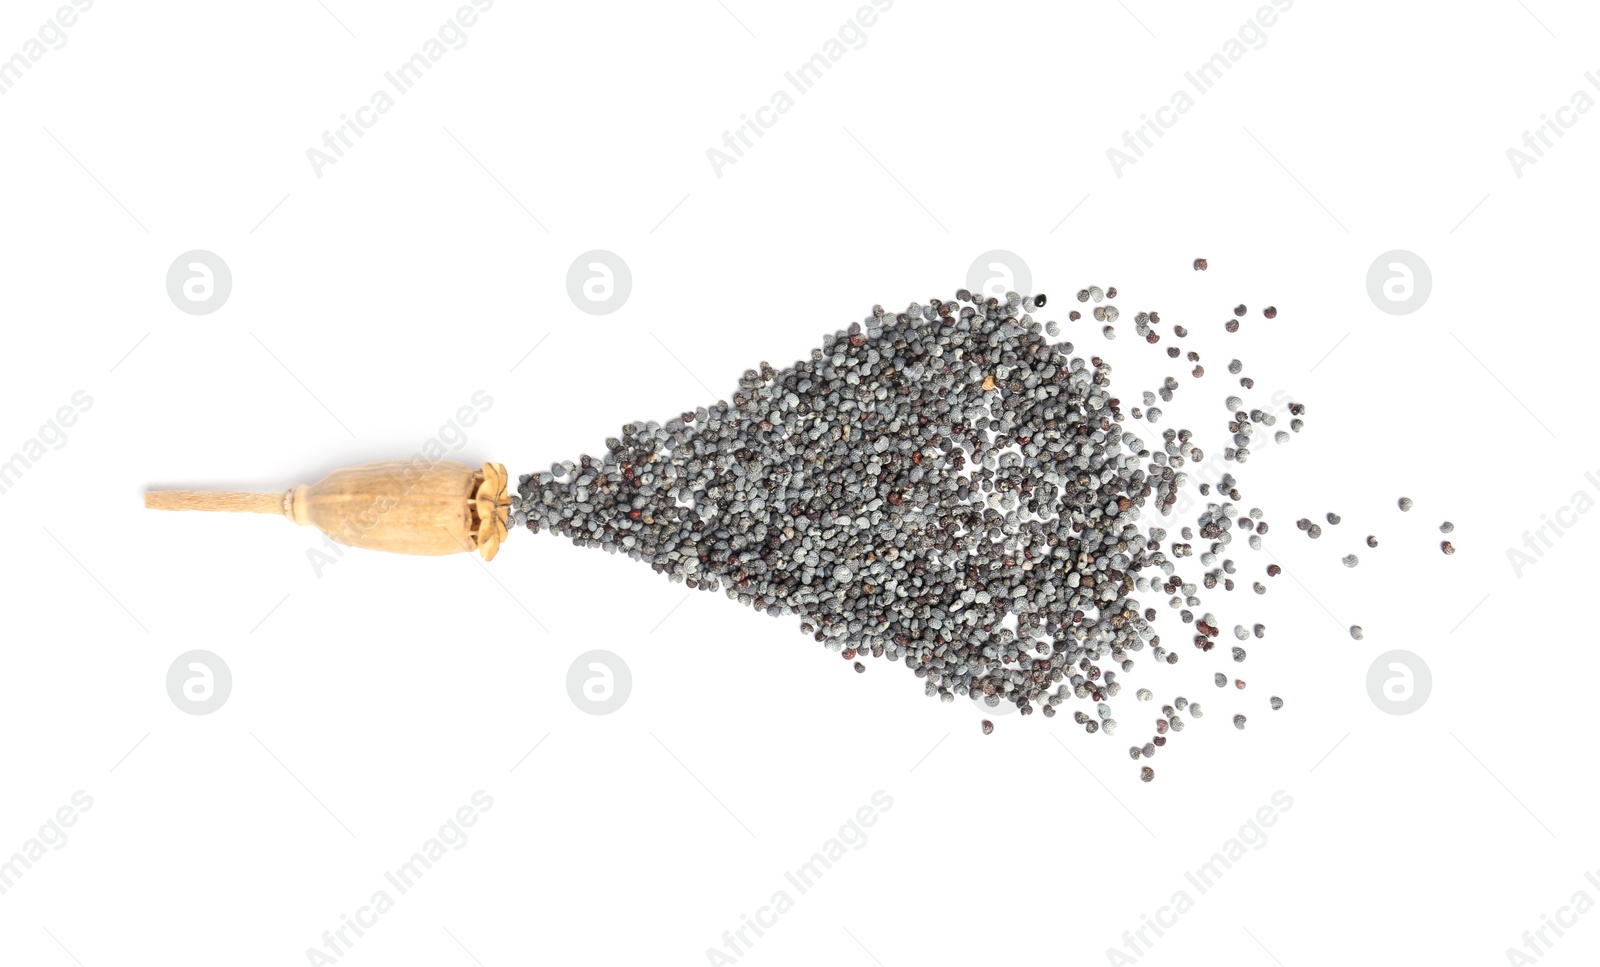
point(943, 488)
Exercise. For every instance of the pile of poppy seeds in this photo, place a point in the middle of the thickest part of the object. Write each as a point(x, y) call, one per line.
point(946, 488)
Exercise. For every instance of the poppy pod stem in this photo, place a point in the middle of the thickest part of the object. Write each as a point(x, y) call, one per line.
point(401, 506)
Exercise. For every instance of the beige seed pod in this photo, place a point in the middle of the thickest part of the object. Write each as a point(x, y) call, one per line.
point(400, 506)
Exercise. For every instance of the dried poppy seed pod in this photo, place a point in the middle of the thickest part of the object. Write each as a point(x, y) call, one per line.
point(400, 506)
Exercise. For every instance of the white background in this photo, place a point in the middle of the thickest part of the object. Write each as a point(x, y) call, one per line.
point(368, 304)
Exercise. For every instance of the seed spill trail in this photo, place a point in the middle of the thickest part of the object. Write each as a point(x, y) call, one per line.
point(945, 488)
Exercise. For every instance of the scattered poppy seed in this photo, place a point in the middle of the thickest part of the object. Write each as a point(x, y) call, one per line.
point(1271, 312)
point(948, 489)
